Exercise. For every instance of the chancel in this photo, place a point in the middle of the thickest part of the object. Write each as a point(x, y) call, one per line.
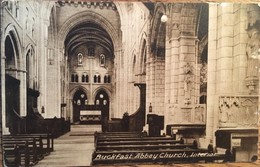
point(128, 83)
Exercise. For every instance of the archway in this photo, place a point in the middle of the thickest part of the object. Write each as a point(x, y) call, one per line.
point(79, 101)
point(12, 96)
point(102, 102)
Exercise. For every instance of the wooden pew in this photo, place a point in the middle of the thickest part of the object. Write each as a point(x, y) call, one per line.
point(139, 140)
point(12, 156)
point(120, 149)
point(164, 156)
point(119, 134)
point(17, 154)
point(147, 146)
point(31, 147)
point(46, 141)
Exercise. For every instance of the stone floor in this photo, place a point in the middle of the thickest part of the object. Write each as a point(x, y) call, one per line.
point(75, 149)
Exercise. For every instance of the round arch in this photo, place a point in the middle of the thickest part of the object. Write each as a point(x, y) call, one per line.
point(74, 90)
point(88, 16)
point(97, 90)
point(11, 33)
point(12, 90)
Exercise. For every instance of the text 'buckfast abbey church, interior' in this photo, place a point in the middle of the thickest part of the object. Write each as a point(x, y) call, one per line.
point(186, 70)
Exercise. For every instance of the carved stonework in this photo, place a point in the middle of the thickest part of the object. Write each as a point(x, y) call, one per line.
point(100, 4)
point(188, 81)
point(203, 73)
point(199, 114)
point(253, 48)
point(188, 115)
point(238, 111)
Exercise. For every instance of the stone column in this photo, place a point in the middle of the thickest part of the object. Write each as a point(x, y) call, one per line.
point(167, 98)
point(5, 130)
point(42, 61)
point(159, 86)
point(21, 74)
point(212, 70)
point(240, 43)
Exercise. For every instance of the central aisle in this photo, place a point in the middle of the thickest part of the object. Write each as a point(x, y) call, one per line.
point(76, 147)
point(72, 149)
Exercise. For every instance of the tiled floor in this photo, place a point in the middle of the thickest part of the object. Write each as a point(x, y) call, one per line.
point(76, 147)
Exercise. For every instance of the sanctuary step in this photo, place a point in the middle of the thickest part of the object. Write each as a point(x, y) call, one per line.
point(84, 130)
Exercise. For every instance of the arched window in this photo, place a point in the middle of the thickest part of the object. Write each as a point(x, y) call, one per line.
point(105, 79)
point(95, 79)
point(76, 78)
point(73, 77)
point(99, 79)
point(80, 59)
point(102, 60)
point(108, 79)
point(83, 78)
point(87, 78)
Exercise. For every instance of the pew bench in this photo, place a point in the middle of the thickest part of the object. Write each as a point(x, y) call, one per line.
point(138, 142)
point(20, 149)
point(148, 146)
point(120, 138)
point(163, 156)
point(29, 145)
point(31, 148)
point(123, 150)
point(12, 156)
point(46, 140)
point(99, 136)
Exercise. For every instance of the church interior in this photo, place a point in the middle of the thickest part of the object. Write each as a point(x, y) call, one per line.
point(183, 77)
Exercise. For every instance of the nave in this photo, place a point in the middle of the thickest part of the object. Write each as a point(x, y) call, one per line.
point(76, 148)
point(189, 70)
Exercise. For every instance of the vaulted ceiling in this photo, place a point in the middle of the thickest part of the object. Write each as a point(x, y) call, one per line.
point(88, 34)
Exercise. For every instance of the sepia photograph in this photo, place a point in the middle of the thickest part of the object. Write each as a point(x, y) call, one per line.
point(129, 83)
